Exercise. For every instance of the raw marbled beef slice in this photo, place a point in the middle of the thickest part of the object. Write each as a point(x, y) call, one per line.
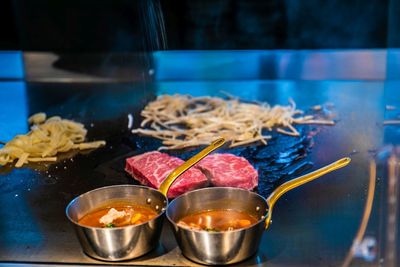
point(152, 168)
point(229, 170)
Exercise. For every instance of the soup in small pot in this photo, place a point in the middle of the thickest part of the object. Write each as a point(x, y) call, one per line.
point(118, 214)
point(218, 220)
point(118, 222)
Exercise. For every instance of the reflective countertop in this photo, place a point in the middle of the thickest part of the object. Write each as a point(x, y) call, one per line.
point(312, 226)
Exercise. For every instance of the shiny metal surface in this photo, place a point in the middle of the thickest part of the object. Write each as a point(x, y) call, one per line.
point(218, 247)
point(326, 64)
point(35, 230)
point(120, 243)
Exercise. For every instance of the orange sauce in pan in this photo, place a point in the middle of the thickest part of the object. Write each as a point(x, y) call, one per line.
point(218, 220)
point(132, 215)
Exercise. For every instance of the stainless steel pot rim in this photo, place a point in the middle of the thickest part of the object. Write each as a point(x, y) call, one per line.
point(163, 210)
point(261, 220)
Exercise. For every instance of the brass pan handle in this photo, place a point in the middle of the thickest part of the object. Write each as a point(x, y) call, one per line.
point(282, 189)
point(166, 184)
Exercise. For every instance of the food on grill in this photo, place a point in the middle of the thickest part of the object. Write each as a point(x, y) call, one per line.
point(184, 121)
point(217, 220)
point(152, 168)
point(37, 118)
point(226, 170)
point(117, 215)
point(229, 170)
point(46, 139)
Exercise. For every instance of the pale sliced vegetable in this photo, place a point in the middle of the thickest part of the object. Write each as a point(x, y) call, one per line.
point(46, 139)
point(184, 121)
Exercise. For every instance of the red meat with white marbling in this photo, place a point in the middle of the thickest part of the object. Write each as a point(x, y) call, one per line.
point(152, 168)
point(228, 170)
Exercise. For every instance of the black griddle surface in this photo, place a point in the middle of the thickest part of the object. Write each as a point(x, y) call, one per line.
point(313, 225)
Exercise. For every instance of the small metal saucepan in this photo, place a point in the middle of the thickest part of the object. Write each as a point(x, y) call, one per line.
point(128, 242)
point(120, 243)
point(229, 247)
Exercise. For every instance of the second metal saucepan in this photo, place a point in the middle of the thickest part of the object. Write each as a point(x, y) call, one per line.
point(229, 247)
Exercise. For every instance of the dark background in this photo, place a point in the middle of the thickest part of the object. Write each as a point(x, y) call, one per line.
point(132, 25)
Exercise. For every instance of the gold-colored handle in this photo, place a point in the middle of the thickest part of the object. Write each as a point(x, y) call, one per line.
point(166, 184)
point(282, 189)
